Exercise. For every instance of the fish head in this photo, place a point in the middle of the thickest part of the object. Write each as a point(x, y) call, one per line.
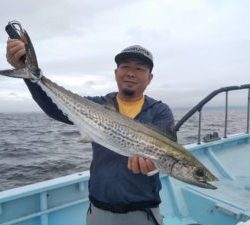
point(193, 172)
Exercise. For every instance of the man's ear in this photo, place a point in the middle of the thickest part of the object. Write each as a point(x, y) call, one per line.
point(116, 74)
point(150, 77)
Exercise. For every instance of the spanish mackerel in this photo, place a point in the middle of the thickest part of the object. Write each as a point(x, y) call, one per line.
point(114, 131)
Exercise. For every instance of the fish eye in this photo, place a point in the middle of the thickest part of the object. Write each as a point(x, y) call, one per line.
point(199, 173)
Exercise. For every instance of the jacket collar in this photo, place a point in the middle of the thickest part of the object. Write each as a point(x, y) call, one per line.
point(149, 102)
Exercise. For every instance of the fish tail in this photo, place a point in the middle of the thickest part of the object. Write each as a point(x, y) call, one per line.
point(16, 73)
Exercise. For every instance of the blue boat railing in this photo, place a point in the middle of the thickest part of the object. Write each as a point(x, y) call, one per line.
point(198, 108)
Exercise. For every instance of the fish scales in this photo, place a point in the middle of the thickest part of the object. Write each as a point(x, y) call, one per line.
point(100, 120)
point(115, 132)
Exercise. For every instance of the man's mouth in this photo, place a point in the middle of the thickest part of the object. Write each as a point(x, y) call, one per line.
point(129, 82)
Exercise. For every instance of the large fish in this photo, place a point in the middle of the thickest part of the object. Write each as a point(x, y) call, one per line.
point(114, 131)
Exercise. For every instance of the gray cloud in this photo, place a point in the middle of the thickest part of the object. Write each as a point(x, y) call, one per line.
point(198, 46)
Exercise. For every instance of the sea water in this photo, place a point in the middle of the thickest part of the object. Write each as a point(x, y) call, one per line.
point(34, 147)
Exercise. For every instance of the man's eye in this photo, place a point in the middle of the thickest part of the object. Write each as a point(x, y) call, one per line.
point(140, 68)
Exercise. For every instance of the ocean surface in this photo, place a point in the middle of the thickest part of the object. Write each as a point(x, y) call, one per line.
point(34, 147)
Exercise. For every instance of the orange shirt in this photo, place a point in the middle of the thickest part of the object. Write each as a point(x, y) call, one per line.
point(130, 109)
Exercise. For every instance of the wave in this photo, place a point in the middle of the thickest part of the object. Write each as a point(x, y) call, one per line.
point(34, 147)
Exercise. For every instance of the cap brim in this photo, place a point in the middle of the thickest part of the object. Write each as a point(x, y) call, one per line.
point(127, 55)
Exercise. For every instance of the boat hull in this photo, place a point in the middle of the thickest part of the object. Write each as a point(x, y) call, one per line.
point(64, 200)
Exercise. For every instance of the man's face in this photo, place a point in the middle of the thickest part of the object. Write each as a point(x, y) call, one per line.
point(132, 77)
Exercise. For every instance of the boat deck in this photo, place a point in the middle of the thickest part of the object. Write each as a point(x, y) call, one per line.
point(228, 159)
point(64, 200)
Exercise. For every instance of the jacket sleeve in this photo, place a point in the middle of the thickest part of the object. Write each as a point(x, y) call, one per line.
point(164, 120)
point(46, 103)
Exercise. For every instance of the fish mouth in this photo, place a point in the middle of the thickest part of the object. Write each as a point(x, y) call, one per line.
point(209, 186)
point(204, 184)
point(207, 183)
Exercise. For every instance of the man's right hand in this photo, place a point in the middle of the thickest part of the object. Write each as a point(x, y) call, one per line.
point(14, 52)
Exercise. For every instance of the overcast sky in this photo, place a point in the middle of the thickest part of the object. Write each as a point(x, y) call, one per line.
point(198, 45)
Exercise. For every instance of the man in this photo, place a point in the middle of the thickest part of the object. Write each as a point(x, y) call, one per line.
point(120, 188)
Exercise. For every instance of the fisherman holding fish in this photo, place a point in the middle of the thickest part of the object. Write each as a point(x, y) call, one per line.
point(123, 187)
point(120, 190)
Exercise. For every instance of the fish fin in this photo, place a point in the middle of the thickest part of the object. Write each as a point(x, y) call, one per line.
point(158, 130)
point(16, 73)
point(153, 172)
point(85, 139)
point(31, 60)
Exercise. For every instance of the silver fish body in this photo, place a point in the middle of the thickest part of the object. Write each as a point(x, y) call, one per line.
point(116, 132)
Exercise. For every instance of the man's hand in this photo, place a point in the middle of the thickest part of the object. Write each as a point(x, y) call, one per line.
point(140, 165)
point(14, 51)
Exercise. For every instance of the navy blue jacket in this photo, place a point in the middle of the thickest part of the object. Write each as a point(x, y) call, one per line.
point(110, 179)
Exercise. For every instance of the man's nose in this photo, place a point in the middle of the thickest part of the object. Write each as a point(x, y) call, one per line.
point(131, 73)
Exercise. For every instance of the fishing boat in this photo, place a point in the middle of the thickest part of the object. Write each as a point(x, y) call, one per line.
point(64, 200)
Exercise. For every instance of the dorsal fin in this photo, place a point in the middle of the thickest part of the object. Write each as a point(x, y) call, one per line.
point(158, 130)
